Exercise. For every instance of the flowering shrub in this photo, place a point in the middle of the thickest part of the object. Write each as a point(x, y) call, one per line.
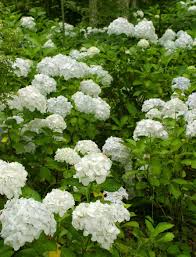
point(97, 139)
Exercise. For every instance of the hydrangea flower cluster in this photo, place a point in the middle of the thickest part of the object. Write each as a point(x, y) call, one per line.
point(84, 53)
point(190, 115)
point(44, 84)
point(30, 98)
point(68, 68)
point(121, 26)
point(171, 40)
point(62, 65)
point(138, 14)
point(143, 43)
point(22, 67)
point(89, 30)
point(58, 201)
point(86, 147)
point(68, 155)
point(91, 105)
point(116, 197)
point(145, 30)
point(92, 165)
point(103, 75)
point(149, 128)
point(174, 108)
point(49, 44)
point(89, 87)
point(23, 220)
point(181, 83)
point(59, 105)
point(55, 122)
point(13, 177)
point(28, 22)
point(116, 150)
point(98, 219)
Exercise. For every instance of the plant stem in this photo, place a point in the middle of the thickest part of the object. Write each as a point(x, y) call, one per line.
point(63, 22)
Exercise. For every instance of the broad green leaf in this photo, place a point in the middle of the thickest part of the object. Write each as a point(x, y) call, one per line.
point(174, 190)
point(28, 192)
point(161, 227)
point(167, 237)
point(133, 224)
point(149, 226)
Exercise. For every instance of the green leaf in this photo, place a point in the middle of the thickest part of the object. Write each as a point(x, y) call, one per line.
point(28, 192)
point(167, 237)
point(5, 251)
point(161, 227)
point(155, 167)
point(27, 253)
point(133, 224)
point(67, 252)
point(149, 226)
point(110, 185)
point(174, 190)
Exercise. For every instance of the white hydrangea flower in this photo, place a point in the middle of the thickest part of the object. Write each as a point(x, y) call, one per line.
point(154, 113)
point(13, 177)
point(93, 167)
point(84, 53)
point(149, 128)
point(86, 147)
point(87, 104)
point(84, 103)
point(28, 22)
point(143, 43)
point(152, 103)
point(181, 83)
point(59, 105)
point(49, 44)
point(56, 123)
point(169, 35)
point(103, 75)
point(44, 84)
point(191, 129)
point(169, 46)
point(23, 220)
point(121, 26)
point(67, 155)
point(58, 201)
point(192, 9)
point(184, 40)
point(89, 87)
point(139, 13)
point(190, 115)
point(191, 101)
point(62, 65)
point(117, 196)
point(174, 108)
point(145, 29)
point(101, 109)
point(30, 98)
point(22, 67)
point(98, 219)
point(116, 150)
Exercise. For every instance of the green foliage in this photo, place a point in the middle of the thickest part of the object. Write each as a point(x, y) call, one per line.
point(161, 195)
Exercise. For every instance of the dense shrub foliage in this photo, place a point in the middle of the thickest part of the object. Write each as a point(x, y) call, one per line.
point(98, 128)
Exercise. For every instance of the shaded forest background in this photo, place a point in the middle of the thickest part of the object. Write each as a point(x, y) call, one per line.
point(93, 12)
